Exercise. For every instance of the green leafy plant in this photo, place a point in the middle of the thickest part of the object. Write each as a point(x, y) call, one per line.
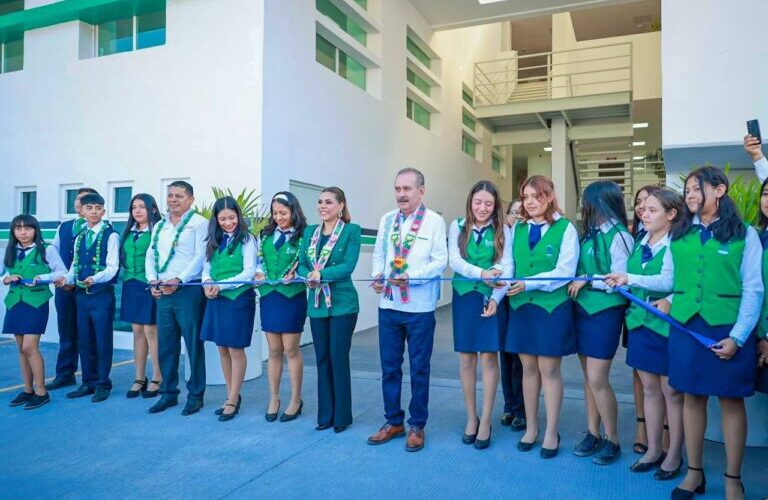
point(745, 194)
point(249, 202)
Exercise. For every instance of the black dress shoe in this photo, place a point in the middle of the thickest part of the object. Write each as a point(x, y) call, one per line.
point(163, 404)
point(271, 417)
point(81, 392)
point(665, 475)
point(102, 393)
point(609, 453)
point(523, 446)
point(339, 428)
point(287, 417)
point(481, 444)
point(59, 382)
point(219, 411)
point(229, 416)
point(646, 466)
point(681, 494)
point(147, 394)
point(321, 427)
point(37, 401)
point(588, 446)
point(506, 419)
point(131, 394)
point(21, 399)
point(193, 406)
point(470, 438)
point(550, 452)
point(518, 424)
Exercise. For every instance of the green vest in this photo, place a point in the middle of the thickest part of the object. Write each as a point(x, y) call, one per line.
point(595, 258)
point(31, 266)
point(762, 323)
point(636, 315)
point(480, 255)
point(135, 253)
point(225, 265)
point(276, 262)
point(541, 259)
point(707, 279)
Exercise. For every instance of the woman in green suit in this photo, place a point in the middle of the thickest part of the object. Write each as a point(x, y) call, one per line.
point(328, 256)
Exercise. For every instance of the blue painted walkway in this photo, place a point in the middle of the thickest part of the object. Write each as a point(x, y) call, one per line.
point(77, 449)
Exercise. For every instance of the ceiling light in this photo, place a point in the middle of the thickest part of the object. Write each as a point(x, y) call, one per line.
point(640, 125)
point(638, 157)
point(483, 2)
point(548, 149)
point(638, 143)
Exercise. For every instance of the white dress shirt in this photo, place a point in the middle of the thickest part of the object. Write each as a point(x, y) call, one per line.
point(464, 268)
point(187, 262)
point(567, 260)
point(662, 282)
point(249, 265)
point(761, 169)
point(112, 264)
point(427, 260)
point(58, 269)
point(621, 249)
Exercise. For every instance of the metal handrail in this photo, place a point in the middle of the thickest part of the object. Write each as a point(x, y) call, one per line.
point(541, 54)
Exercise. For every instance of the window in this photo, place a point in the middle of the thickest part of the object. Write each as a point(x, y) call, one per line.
point(468, 146)
point(496, 164)
point(12, 56)
point(468, 121)
point(339, 62)
point(418, 81)
point(417, 52)
point(467, 97)
point(131, 33)
point(357, 32)
point(8, 6)
point(121, 199)
point(418, 113)
point(362, 3)
point(70, 196)
point(29, 202)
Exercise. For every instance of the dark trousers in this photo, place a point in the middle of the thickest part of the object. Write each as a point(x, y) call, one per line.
point(66, 317)
point(332, 338)
point(95, 315)
point(511, 369)
point(395, 329)
point(180, 315)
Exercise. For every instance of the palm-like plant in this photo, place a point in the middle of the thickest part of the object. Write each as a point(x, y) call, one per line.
point(249, 202)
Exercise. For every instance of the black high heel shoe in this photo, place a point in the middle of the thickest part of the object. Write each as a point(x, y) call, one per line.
point(135, 394)
point(523, 446)
point(147, 394)
point(681, 494)
point(271, 417)
point(665, 475)
point(220, 411)
point(640, 448)
point(551, 452)
point(736, 477)
point(481, 444)
point(287, 417)
point(470, 438)
point(229, 416)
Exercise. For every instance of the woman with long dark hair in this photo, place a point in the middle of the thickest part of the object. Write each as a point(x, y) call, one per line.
point(282, 306)
point(762, 324)
point(599, 313)
point(137, 306)
point(478, 248)
point(29, 258)
point(230, 256)
point(718, 292)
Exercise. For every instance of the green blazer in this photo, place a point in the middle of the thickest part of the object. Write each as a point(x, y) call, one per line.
point(339, 267)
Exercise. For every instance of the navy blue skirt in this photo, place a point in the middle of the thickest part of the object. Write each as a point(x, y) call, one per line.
point(695, 369)
point(229, 322)
point(281, 314)
point(598, 335)
point(137, 304)
point(648, 351)
point(532, 330)
point(23, 319)
point(471, 332)
point(762, 380)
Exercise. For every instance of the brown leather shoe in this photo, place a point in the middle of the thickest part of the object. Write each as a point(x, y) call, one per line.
point(415, 439)
point(387, 433)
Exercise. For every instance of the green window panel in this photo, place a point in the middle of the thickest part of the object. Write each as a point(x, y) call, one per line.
point(150, 29)
point(467, 98)
point(13, 56)
point(418, 81)
point(325, 53)
point(71, 196)
point(115, 37)
point(327, 8)
point(468, 146)
point(352, 70)
point(468, 121)
point(349, 68)
point(8, 6)
point(29, 202)
point(496, 164)
point(417, 52)
point(362, 3)
point(122, 199)
point(418, 113)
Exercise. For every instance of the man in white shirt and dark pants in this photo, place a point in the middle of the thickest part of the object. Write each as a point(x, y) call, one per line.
point(411, 251)
point(176, 256)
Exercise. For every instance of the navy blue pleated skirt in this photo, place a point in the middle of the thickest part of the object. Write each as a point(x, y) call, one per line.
point(137, 304)
point(229, 322)
point(472, 332)
point(695, 369)
point(648, 351)
point(281, 314)
point(502, 321)
point(23, 319)
point(532, 330)
point(598, 335)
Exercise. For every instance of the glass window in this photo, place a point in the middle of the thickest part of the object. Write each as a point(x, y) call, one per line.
point(71, 196)
point(467, 97)
point(417, 52)
point(418, 81)
point(122, 199)
point(8, 6)
point(468, 121)
point(150, 29)
point(352, 70)
point(496, 164)
point(325, 53)
point(362, 3)
point(468, 146)
point(349, 68)
point(29, 202)
point(13, 56)
point(357, 32)
point(115, 36)
point(418, 113)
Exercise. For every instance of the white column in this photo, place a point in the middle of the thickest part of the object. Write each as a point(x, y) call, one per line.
point(562, 168)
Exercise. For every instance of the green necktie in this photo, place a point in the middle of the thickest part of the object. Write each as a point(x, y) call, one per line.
point(89, 238)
